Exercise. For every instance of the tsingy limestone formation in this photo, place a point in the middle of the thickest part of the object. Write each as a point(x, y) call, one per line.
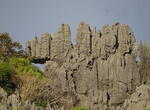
point(50, 46)
point(100, 69)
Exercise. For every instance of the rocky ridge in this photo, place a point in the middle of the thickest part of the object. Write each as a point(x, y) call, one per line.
point(100, 69)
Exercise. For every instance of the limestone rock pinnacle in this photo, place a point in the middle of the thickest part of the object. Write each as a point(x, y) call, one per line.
point(99, 69)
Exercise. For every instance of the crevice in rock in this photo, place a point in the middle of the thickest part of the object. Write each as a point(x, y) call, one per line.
point(50, 47)
point(139, 94)
point(117, 43)
point(75, 87)
point(108, 98)
point(90, 44)
point(97, 75)
point(66, 77)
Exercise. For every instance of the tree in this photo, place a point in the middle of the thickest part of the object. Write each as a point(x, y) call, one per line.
point(8, 48)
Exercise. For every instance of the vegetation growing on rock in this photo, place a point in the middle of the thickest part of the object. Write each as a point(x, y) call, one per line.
point(6, 71)
point(24, 66)
point(8, 47)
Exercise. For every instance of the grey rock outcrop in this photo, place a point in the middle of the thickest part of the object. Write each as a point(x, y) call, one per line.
point(84, 38)
point(100, 69)
point(140, 100)
point(13, 102)
point(9, 102)
point(50, 46)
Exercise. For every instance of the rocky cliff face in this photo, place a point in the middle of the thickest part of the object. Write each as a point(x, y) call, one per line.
point(100, 69)
point(139, 100)
point(50, 46)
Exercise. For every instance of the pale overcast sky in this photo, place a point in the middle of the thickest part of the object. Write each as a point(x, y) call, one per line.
point(24, 19)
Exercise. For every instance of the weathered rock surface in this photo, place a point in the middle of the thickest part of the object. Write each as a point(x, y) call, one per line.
point(50, 46)
point(84, 38)
point(13, 102)
point(9, 102)
point(140, 100)
point(100, 70)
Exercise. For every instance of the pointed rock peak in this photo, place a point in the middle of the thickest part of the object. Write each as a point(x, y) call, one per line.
point(45, 33)
point(64, 28)
point(35, 38)
point(105, 25)
point(115, 23)
point(105, 29)
point(126, 29)
point(83, 25)
point(94, 29)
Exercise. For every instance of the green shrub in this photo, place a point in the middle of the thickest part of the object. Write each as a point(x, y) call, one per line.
point(25, 66)
point(9, 72)
point(17, 62)
point(5, 71)
point(8, 86)
point(79, 108)
point(40, 103)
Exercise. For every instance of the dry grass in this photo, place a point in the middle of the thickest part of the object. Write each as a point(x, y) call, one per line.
point(28, 86)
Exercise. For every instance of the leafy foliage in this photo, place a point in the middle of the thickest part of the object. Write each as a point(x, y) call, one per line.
point(5, 71)
point(27, 77)
point(8, 86)
point(19, 72)
point(8, 48)
point(24, 66)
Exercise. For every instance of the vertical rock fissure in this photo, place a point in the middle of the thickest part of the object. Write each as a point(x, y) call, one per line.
point(50, 48)
point(97, 75)
point(90, 43)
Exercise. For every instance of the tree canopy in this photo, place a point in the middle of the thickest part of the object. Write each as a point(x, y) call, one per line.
point(8, 47)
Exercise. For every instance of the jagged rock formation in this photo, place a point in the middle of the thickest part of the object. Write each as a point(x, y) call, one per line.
point(50, 46)
point(14, 102)
point(140, 100)
point(100, 69)
point(8, 102)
